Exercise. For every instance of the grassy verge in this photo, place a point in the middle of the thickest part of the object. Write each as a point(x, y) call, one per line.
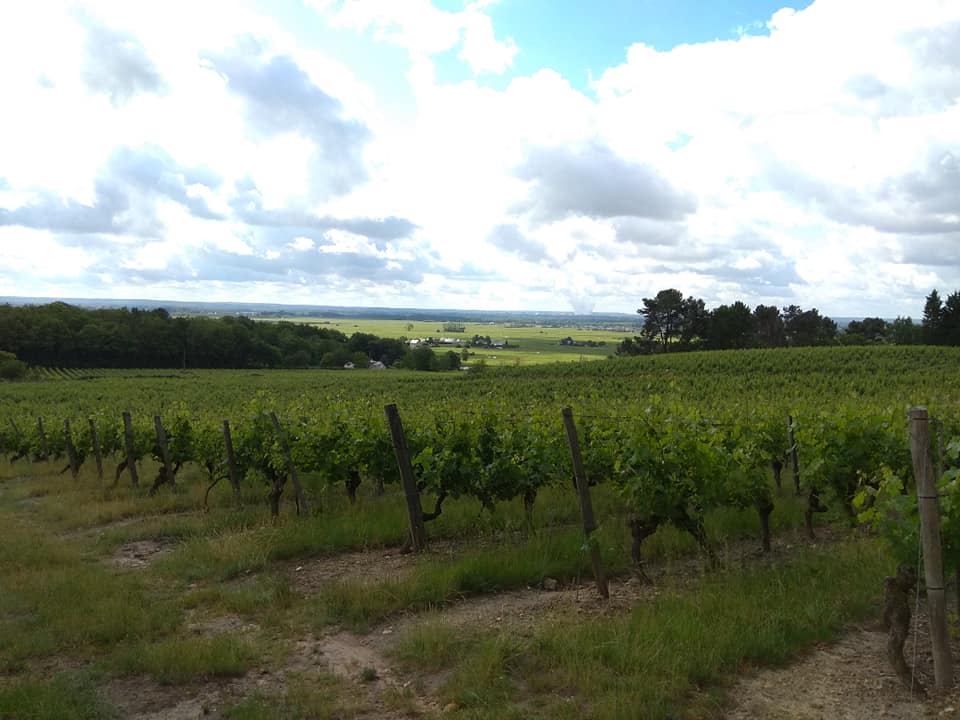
point(434, 583)
point(655, 662)
point(320, 698)
point(64, 696)
point(175, 661)
point(60, 599)
point(53, 600)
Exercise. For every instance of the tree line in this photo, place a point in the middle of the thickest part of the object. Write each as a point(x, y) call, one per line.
point(673, 322)
point(62, 335)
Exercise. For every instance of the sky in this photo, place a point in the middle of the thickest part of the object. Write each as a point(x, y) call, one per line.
point(483, 154)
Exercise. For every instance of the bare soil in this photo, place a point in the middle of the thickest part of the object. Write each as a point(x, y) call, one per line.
point(138, 698)
point(371, 567)
point(850, 679)
point(139, 553)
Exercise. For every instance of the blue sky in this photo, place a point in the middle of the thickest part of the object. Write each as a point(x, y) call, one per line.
point(502, 154)
point(578, 38)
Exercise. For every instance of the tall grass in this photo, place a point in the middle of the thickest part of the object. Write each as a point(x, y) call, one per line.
point(175, 661)
point(64, 696)
point(653, 663)
point(434, 582)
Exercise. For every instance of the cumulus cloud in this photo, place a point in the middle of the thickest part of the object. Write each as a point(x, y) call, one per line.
point(931, 251)
point(116, 64)
point(125, 197)
point(424, 30)
point(815, 164)
point(211, 264)
point(595, 182)
point(248, 207)
point(508, 237)
point(646, 231)
point(921, 201)
point(281, 98)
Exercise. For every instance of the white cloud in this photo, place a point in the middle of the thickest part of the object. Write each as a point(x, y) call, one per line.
point(816, 165)
point(481, 49)
point(424, 30)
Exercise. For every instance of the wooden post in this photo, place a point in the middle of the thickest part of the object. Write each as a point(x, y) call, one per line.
point(231, 462)
point(302, 506)
point(164, 454)
point(44, 447)
point(95, 442)
point(794, 457)
point(20, 443)
point(586, 507)
point(71, 450)
point(930, 534)
point(16, 430)
point(418, 533)
point(131, 449)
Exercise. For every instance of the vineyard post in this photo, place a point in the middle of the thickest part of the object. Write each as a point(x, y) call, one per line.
point(930, 534)
point(95, 441)
point(16, 431)
point(586, 507)
point(44, 447)
point(131, 448)
point(938, 469)
point(71, 450)
point(794, 457)
point(291, 468)
point(231, 462)
point(418, 533)
point(164, 454)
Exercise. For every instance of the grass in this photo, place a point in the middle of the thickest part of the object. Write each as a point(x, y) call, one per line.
point(512, 564)
point(53, 600)
point(61, 600)
point(533, 345)
point(175, 661)
point(654, 662)
point(65, 696)
point(319, 698)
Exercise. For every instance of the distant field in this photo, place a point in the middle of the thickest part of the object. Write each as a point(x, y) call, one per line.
point(534, 344)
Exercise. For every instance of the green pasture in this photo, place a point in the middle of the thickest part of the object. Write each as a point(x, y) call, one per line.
point(531, 344)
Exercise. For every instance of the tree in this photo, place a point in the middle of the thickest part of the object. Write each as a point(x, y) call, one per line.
point(932, 318)
point(11, 368)
point(807, 327)
point(950, 320)
point(663, 315)
point(636, 346)
point(904, 331)
point(769, 326)
point(731, 326)
point(868, 330)
point(420, 358)
point(669, 317)
point(450, 360)
point(694, 323)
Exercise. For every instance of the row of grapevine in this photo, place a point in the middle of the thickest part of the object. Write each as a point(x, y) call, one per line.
point(669, 466)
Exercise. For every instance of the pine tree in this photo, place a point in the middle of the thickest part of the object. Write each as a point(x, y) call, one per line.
point(933, 319)
point(950, 320)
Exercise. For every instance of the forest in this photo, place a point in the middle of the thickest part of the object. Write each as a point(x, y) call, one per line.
point(675, 323)
point(62, 335)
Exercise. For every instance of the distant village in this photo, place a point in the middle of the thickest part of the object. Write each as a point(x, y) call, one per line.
point(479, 341)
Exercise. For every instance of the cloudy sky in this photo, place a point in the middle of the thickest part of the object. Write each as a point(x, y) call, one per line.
point(500, 154)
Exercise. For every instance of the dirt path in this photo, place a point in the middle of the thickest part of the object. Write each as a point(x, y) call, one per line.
point(846, 680)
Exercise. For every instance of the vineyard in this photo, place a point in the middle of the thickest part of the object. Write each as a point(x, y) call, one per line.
point(237, 485)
